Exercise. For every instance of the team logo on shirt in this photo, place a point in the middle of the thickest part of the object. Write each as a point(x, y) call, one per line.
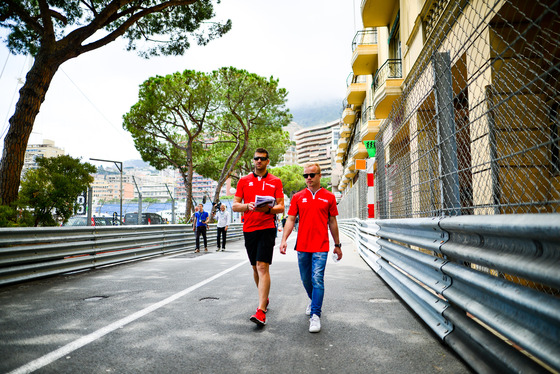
point(326, 201)
point(250, 183)
point(270, 185)
point(304, 200)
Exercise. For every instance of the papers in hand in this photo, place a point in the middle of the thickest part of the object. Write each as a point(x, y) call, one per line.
point(261, 201)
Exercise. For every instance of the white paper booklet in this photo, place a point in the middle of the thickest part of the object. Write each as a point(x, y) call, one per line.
point(261, 201)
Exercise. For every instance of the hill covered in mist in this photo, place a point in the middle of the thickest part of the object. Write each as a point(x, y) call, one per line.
point(317, 114)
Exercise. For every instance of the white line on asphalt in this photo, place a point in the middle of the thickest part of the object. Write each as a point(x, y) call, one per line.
point(76, 344)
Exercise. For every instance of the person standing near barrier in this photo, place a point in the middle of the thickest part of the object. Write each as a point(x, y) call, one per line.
point(193, 219)
point(223, 221)
point(317, 210)
point(201, 218)
point(259, 226)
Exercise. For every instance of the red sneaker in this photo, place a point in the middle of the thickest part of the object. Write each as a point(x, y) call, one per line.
point(259, 317)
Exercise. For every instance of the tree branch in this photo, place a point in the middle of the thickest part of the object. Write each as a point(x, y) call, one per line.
point(90, 6)
point(107, 16)
point(17, 10)
point(48, 31)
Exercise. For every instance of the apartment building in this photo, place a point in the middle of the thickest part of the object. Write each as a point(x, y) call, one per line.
point(106, 187)
point(290, 157)
point(201, 187)
point(315, 144)
point(461, 99)
point(34, 151)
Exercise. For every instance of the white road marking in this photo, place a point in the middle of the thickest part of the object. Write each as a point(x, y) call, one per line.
point(76, 344)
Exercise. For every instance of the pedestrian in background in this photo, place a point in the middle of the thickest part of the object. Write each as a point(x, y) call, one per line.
point(223, 221)
point(259, 224)
point(193, 218)
point(202, 218)
point(317, 211)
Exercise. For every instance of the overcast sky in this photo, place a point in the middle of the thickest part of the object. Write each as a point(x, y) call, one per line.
point(306, 44)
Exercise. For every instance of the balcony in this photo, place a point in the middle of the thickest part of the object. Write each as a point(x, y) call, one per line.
point(351, 163)
point(386, 87)
point(377, 13)
point(356, 91)
point(349, 173)
point(359, 151)
point(343, 184)
point(345, 131)
point(364, 52)
point(370, 125)
point(342, 145)
point(348, 116)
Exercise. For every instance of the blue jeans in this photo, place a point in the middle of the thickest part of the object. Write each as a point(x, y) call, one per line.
point(312, 272)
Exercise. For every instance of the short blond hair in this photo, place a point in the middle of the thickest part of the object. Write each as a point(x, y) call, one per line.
point(310, 164)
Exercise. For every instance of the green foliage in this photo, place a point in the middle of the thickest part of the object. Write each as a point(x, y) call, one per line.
point(253, 114)
point(208, 121)
point(292, 181)
point(52, 189)
point(12, 216)
point(170, 26)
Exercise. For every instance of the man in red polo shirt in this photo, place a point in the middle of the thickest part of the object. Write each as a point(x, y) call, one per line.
point(259, 225)
point(317, 210)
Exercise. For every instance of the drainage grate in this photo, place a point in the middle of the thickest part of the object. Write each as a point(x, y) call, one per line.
point(95, 298)
point(209, 298)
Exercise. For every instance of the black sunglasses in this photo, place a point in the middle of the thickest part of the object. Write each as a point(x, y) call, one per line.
point(260, 158)
point(312, 175)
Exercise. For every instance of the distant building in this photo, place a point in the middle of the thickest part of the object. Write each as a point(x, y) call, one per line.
point(290, 157)
point(201, 187)
point(107, 187)
point(315, 144)
point(34, 151)
point(159, 186)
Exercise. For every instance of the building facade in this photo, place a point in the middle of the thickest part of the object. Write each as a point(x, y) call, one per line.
point(461, 99)
point(34, 151)
point(290, 157)
point(315, 144)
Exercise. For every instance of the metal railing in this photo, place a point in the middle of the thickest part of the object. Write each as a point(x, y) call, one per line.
point(29, 253)
point(364, 37)
point(355, 79)
point(488, 286)
point(368, 114)
point(391, 69)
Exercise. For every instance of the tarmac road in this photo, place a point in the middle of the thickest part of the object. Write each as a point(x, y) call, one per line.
point(189, 313)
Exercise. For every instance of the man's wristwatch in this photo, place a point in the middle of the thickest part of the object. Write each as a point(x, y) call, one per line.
point(269, 209)
point(339, 245)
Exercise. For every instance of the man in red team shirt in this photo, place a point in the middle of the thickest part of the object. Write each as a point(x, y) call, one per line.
point(316, 208)
point(259, 225)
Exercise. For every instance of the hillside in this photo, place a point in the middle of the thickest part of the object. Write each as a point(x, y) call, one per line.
point(317, 114)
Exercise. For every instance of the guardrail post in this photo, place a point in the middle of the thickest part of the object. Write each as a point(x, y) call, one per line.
point(451, 203)
point(381, 179)
point(89, 206)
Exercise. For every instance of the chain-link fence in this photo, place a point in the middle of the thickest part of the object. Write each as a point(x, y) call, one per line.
point(354, 204)
point(477, 130)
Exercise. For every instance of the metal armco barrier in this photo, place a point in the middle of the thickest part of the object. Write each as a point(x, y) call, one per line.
point(28, 253)
point(488, 286)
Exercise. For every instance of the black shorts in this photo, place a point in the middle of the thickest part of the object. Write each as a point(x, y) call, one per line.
point(260, 245)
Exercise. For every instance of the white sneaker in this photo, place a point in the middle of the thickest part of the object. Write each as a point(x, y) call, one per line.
point(308, 310)
point(314, 323)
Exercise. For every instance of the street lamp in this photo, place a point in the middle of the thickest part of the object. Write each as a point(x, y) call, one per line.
point(119, 166)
